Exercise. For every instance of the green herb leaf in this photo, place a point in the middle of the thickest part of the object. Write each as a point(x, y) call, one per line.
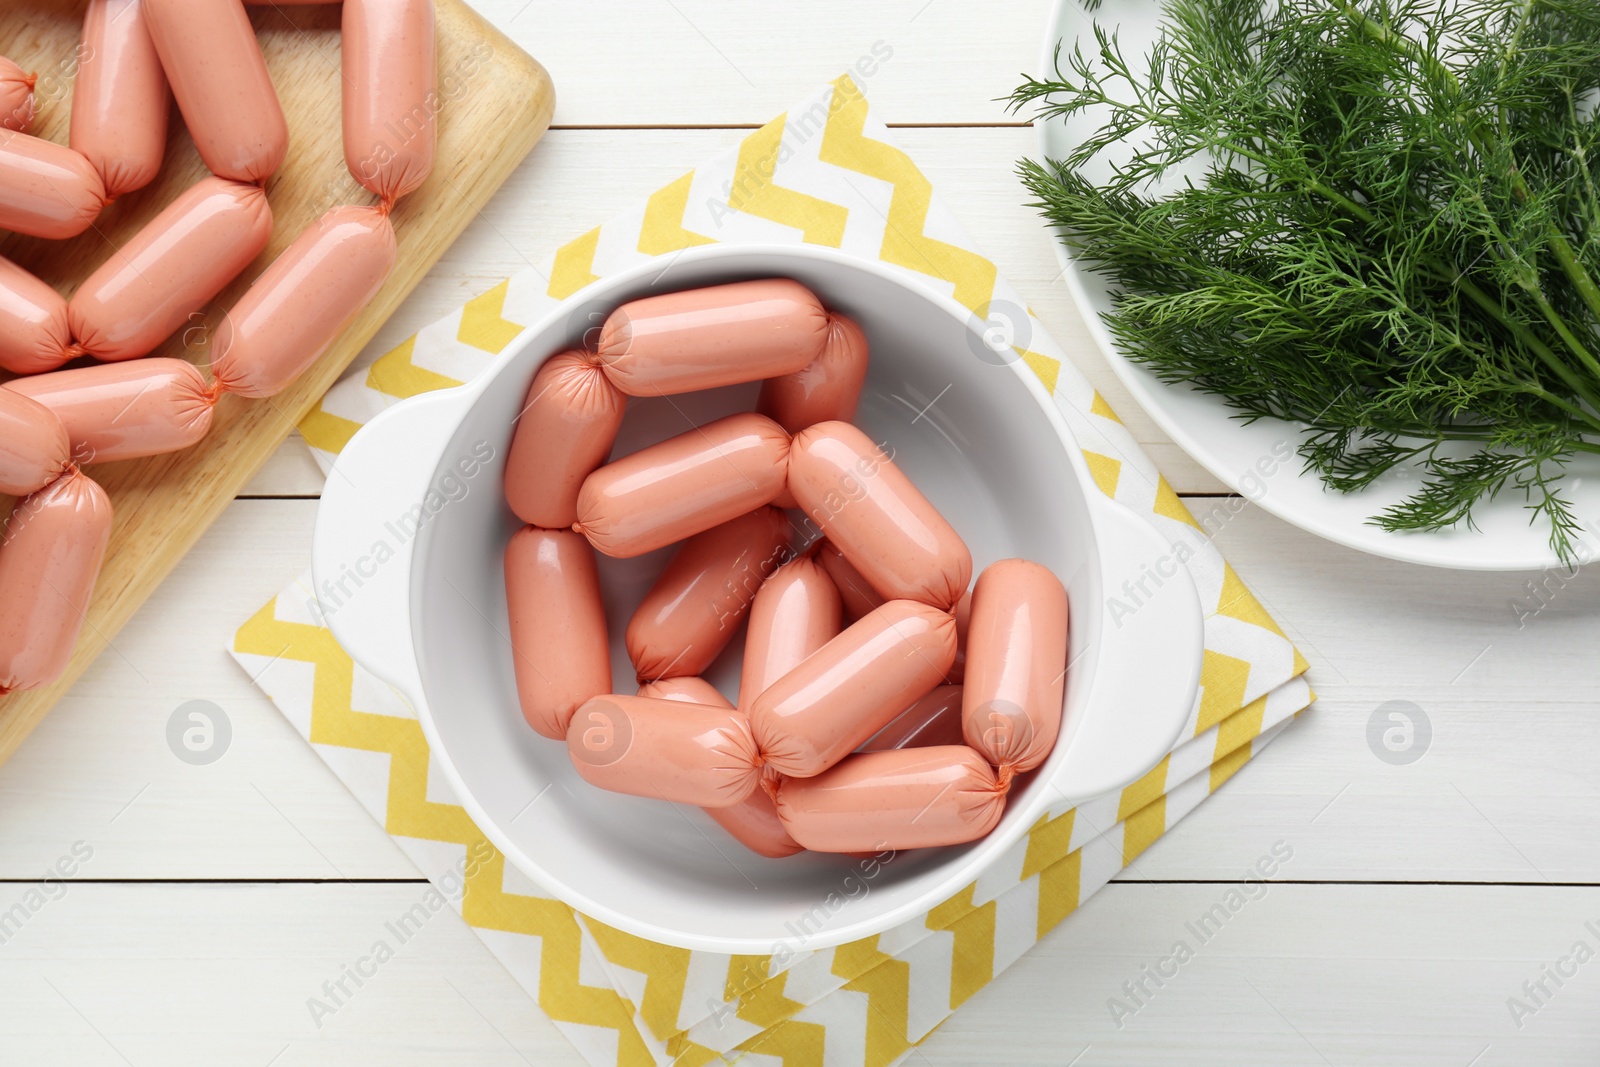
point(1395, 238)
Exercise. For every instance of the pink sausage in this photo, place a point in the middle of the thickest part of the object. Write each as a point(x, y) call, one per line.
point(55, 540)
point(300, 305)
point(851, 687)
point(753, 822)
point(695, 607)
point(558, 626)
point(566, 429)
point(167, 272)
point(858, 596)
point(1016, 664)
point(16, 96)
point(214, 65)
point(34, 447)
point(665, 749)
point(963, 614)
point(686, 484)
point(903, 798)
point(871, 511)
point(46, 190)
point(120, 98)
point(118, 411)
point(795, 612)
point(933, 720)
point(34, 335)
point(391, 103)
point(686, 690)
point(825, 390)
point(704, 338)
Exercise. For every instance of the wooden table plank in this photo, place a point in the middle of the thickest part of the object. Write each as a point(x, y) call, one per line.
point(207, 975)
point(100, 768)
point(1300, 975)
point(1311, 975)
point(289, 471)
point(689, 62)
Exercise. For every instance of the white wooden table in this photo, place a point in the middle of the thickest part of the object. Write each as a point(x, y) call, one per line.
point(214, 900)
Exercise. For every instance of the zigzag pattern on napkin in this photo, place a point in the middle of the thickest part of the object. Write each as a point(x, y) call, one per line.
point(757, 997)
point(845, 144)
point(1143, 813)
point(755, 191)
point(411, 814)
point(1050, 875)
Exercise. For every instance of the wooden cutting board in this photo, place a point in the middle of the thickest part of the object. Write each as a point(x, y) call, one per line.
point(495, 103)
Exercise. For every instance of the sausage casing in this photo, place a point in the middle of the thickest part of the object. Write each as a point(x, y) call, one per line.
point(120, 97)
point(1016, 664)
point(851, 687)
point(164, 276)
point(34, 335)
point(54, 543)
point(898, 799)
point(686, 689)
point(856, 593)
point(46, 190)
point(567, 426)
point(16, 97)
point(686, 484)
point(753, 822)
point(825, 390)
point(795, 612)
point(877, 518)
point(219, 78)
point(391, 102)
point(34, 447)
point(558, 626)
point(665, 749)
point(129, 410)
point(705, 338)
point(963, 614)
point(695, 606)
point(301, 303)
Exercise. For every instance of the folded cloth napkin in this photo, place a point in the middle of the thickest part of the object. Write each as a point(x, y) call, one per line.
point(825, 173)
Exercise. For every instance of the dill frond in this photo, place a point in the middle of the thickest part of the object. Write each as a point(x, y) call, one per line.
point(1395, 242)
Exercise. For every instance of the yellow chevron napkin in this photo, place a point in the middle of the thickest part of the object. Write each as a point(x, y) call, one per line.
point(824, 173)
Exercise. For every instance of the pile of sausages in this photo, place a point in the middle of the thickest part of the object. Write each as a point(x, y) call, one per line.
point(881, 705)
point(205, 54)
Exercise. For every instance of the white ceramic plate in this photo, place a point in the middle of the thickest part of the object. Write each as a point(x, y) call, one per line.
point(427, 613)
point(1259, 460)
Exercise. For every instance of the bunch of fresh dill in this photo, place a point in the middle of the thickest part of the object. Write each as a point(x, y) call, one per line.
point(1396, 241)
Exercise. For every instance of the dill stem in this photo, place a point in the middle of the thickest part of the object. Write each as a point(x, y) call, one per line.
point(1399, 42)
point(1564, 404)
point(1311, 184)
point(1574, 270)
point(1565, 333)
point(1574, 381)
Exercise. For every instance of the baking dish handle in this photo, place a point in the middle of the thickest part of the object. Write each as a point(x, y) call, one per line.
point(1147, 671)
point(375, 496)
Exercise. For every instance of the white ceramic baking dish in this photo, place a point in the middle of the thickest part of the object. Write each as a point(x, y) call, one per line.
point(426, 611)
